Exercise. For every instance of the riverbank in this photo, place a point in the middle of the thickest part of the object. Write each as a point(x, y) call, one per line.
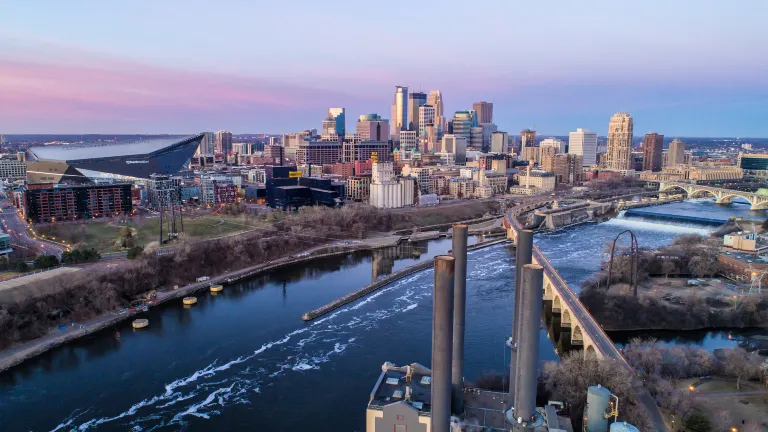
point(368, 289)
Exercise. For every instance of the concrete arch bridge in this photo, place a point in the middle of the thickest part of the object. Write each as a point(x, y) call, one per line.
point(722, 196)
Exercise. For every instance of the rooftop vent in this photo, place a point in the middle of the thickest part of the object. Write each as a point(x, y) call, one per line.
point(426, 380)
point(397, 394)
point(393, 381)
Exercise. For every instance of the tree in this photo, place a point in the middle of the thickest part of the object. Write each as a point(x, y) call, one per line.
point(135, 252)
point(46, 261)
point(697, 422)
point(667, 267)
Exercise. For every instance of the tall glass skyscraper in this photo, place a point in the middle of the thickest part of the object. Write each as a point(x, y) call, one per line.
point(338, 114)
point(399, 111)
point(415, 100)
point(462, 124)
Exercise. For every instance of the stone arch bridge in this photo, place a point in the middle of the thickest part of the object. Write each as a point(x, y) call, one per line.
point(722, 196)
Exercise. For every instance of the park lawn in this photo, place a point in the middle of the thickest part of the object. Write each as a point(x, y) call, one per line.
point(8, 275)
point(102, 236)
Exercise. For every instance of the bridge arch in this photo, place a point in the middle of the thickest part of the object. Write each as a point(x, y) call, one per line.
point(760, 206)
point(577, 336)
point(590, 353)
point(702, 193)
point(547, 290)
point(557, 304)
point(565, 319)
point(673, 187)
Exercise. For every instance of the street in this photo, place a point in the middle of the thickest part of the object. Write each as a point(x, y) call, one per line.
point(17, 229)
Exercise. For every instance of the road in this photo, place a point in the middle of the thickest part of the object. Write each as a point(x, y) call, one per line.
point(17, 229)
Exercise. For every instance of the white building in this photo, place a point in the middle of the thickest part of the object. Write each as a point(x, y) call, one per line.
point(387, 191)
point(558, 144)
point(499, 142)
point(583, 143)
point(457, 145)
point(13, 168)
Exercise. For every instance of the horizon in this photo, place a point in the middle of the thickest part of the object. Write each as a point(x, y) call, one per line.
point(682, 69)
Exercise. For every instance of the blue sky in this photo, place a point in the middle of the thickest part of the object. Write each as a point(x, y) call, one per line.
point(687, 68)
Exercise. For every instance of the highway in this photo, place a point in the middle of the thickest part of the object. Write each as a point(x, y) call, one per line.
point(17, 229)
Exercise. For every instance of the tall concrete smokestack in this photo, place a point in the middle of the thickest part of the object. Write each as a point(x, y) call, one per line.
point(459, 314)
point(524, 255)
point(528, 346)
point(442, 338)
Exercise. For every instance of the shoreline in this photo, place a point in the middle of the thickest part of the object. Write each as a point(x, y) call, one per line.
point(17, 354)
point(720, 328)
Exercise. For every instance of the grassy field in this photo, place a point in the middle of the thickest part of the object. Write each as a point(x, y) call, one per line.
point(104, 235)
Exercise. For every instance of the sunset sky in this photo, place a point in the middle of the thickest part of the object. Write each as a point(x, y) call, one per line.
point(682, 68)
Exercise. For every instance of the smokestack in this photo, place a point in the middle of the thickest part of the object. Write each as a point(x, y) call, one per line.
point(459, 314)
point(524, 255)
point(442, 338)
point(528, 176)
point(528, 351)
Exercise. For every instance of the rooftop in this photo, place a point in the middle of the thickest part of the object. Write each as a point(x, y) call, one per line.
point(72, 152)
point(395, 384)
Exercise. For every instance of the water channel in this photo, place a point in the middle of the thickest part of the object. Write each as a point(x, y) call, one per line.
point(244, 359)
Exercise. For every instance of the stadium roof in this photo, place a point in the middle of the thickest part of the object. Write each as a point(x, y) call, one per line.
point(75, 152)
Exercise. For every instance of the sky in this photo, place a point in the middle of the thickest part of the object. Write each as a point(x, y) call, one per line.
point(681, 68)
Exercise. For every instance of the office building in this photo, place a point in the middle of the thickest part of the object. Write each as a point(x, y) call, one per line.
point(476, 138)
point(399, 112)
point(409, 140)
point(499, 142)
point(484, 112)
point(275, 153)
point(318, 153)
point(752, 161)
point(415, 100)
point(457, 145)
point(567, 168)
point(557, 144)
point(527, 138)
point(359, 188)
point(362, 151)
point(676, 155)
point(462, 124)
point(223, 142)
point(435, 99)
point(540, 180)
point(652, 149)
point(387, 191)
point(338, 117)
point(372, 127)
point(619, 154)
point(163, 191)
point(12, 168)
point(49, 202)
point(583, 143)
point(426, 118)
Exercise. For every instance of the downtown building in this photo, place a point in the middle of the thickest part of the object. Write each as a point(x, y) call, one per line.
point(59, 202)
point(583, 143)
point(399, 112)
point(372, 127)
point(364, 150)
point(676, 153)
point(318, 152)
point(484, 112)
point(619, 154)
point(415, 101)
point(652, 150)
point(223, 142)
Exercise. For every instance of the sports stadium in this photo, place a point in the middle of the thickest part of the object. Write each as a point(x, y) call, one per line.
point(131, 160)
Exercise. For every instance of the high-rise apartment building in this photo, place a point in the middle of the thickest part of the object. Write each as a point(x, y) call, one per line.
point(223, 142)
point(652, 144)
point(567, 168)
point(372, 127)
point(462, 124)
point(484, 111)
point(409, 140)
point(619, 155)
point(207, 144)
point(527, 139)
point(415, 100)
point(583, 143)
point(676, 154)
point(399, 111)
point(558, 144)
point(499, 142)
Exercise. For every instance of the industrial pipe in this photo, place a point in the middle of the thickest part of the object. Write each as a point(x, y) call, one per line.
point(528, 343)
point(523, 256)
point(442, 339)
point(459, 314)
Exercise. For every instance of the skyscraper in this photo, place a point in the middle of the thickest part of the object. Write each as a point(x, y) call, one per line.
point(676, 154)
point(583, 143)
point(435, 99)
point(399, 112)
point(223, 142)
point(652, 144)
point(207, 144)
point(415, 100)
point(553, 142)
point(619, 155)
point(426, 127)
point(462, 124)
point(527, 139)
point(484, 111)
point(499, 142)
point(372, 127)
point(338, 118)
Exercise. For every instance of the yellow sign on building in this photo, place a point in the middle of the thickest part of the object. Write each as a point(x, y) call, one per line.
point(294, 174)
point(375, 156)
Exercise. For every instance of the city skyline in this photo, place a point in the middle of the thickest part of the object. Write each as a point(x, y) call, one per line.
point(56, 77)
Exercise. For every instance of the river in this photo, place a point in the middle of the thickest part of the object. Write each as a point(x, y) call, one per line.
point(245, 360)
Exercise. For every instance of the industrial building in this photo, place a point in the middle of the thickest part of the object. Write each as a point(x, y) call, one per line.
point(50, 203)
point(387, 191)
point(285, 189)
point(138, 159)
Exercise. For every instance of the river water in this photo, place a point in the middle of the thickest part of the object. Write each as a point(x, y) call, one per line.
point(245, 360)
